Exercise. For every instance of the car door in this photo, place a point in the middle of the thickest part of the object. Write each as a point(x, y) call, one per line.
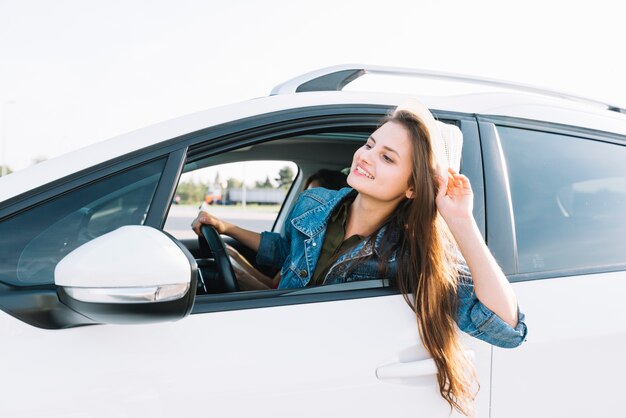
point(342, 349)
point(558, 226)
point(302, 358)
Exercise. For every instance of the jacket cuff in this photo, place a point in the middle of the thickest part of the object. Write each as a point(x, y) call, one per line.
point(489, 325)
point(267, 254)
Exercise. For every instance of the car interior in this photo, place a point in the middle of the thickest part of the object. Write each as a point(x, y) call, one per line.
point(310, 153)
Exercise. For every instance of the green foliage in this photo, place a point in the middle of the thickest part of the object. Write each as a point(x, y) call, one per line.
point(233, 183)
point(218, 180)
point(191, 193)
point(285, 177)
point(267, 184)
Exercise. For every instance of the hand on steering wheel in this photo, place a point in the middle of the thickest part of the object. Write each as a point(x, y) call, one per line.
point(222, 260)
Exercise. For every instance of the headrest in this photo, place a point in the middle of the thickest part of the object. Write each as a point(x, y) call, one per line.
point(446, 139)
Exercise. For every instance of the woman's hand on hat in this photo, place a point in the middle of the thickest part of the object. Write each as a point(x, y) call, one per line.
point(455, 199)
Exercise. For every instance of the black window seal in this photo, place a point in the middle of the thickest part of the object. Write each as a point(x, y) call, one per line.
point(561, 273)
point(287, 297)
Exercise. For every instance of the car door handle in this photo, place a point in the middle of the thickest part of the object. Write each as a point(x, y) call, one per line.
point(417, 368)
point(411, 369)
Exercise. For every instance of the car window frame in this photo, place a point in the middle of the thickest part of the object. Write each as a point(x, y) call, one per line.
point(314, 119)
point(500, 221)
point(180, 150)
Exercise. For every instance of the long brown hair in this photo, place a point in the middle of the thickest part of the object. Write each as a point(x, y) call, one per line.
point(427, 276)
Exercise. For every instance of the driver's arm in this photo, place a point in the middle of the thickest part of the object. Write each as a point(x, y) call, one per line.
point(250, 278)
point(248, 238)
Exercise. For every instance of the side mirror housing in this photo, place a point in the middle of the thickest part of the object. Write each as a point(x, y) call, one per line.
point(135, 274)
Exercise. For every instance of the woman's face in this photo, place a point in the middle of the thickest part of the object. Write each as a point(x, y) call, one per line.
point(382, 167)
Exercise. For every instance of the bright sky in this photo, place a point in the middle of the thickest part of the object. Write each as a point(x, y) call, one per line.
point(74, 72)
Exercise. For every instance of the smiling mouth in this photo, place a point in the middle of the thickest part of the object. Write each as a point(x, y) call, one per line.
point(362, 171)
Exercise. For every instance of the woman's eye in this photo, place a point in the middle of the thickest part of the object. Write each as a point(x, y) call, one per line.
point(387, 158)
point(368, 146)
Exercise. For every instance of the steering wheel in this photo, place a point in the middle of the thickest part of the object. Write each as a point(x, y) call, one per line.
point(222, 260)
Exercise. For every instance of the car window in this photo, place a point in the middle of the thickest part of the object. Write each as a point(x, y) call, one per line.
point(37, 239)
point(569, 200)
point(247, 193)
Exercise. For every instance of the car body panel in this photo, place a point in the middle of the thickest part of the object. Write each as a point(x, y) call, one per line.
point(573, 362)
point(303, 360)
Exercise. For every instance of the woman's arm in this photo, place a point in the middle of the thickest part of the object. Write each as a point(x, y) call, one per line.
point(246, 271)
point(248, 238)
point(271, 248)
point(455, 202)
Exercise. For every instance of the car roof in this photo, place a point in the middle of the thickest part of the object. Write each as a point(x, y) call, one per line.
point(518, 104)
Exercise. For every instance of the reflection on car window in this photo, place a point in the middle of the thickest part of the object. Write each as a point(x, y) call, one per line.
point(40, 237)
point(249, 194)
point(569, 200)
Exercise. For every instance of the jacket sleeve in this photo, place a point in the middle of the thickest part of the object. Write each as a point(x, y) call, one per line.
point(479, 321)
point(274, 248)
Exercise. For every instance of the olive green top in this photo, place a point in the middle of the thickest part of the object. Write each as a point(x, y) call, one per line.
point(334, 244)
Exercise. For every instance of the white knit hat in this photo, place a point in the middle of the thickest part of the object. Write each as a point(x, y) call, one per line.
point(446, 139)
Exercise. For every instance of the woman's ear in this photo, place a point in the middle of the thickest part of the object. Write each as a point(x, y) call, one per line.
point(410, 193)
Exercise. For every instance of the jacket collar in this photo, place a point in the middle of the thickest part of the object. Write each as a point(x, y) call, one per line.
point(314, 221)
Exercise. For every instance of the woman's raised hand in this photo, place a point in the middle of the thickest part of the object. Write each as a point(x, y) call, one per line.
point(204, 218)
point(455, 199)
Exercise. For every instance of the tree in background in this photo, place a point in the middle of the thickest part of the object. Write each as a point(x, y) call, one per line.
point(267, 184)
point(285, 177)
point(217, 181)
point(233, 183)
point(191, 193)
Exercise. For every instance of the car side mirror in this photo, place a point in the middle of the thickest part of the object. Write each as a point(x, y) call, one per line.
point(134, 274)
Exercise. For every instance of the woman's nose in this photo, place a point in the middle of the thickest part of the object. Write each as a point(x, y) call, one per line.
point(366, 156)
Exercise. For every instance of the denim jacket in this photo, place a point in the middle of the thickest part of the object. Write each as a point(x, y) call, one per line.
point(300, 247)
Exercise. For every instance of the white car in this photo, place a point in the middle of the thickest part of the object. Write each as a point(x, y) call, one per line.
point(83, 254)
